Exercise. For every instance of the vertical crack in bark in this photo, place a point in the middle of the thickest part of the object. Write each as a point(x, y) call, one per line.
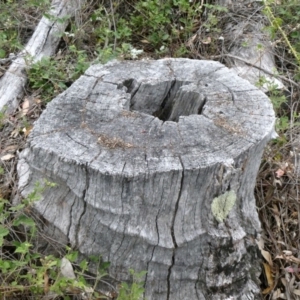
point(71, 221)
point(148, 263)
point(122, 192)
point(198, 281)
point(200, 109)
point(87, 183)
point(124, 236)
point(173, 231)
point(198, 278)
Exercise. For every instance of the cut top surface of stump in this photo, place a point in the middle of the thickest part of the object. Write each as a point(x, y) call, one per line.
point(134, 117)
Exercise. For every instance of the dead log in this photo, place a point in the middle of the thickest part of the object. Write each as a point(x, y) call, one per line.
point(43, 43)
point(252, 52)
point(246, 45)
point(155, 164)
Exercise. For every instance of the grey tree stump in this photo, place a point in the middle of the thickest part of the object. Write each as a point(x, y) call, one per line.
point(155, 164)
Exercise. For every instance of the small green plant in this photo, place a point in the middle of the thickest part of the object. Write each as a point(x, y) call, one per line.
point(287, 12)
point(24, 271)
point(47, 77)
point(212, 21)
point(13, 25)
point(278, 100)
point(284, 27)
point(155, 23)
point(170, 21)
point(210, 39)
point(135, 290)
point(275, 94)
point(51, 76)
point(3, 117)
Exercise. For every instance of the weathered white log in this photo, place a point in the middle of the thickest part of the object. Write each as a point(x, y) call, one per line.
point(43, 43)
point(155, 164)
point(252, 52)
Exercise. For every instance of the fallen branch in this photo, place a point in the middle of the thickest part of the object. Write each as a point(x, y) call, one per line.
point(43, 43)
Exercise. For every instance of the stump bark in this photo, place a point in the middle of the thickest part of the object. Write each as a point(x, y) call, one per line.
point(155, 164)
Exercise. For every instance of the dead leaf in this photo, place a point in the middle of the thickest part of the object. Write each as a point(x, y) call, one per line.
point(267, 290)
point(281, 243)
point(294, 214)
point(46, 283)
point(265, 254)
point(291, 283)
point(27, 130)
point(276, 215)
point(294, 259)
point(206, 41)
point(284, 282)
point(277, 181)
point(88, 290)
point(7, 157)
point(260, 243)
point(287, 252)
point(292, 269)
point(267, 257)
point(25, 107)
point(279, 173)
point(59, 54)
point(269, 277)
point(11, 148)
point(15, 133)
point(290, 258)
point(296, 292)
point(66, 269)
point(278, 295)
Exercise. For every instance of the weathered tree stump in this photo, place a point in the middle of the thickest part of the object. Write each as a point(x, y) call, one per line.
point(155, 164)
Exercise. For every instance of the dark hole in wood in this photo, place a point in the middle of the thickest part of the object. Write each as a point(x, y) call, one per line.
point(168, 100)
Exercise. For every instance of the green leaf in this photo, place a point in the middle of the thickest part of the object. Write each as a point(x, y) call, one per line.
point(23, 247)
point(72, 256)
point(222, 205)
point(23, 220)
point(17, 207)
point(83, 265)
point(3, 231)
point(4, 265)
point(2, 53)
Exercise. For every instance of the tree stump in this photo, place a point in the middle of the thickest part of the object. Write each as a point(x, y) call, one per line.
point(155, 164)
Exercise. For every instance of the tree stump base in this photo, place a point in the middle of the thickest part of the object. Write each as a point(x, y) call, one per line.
point(155, 164)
